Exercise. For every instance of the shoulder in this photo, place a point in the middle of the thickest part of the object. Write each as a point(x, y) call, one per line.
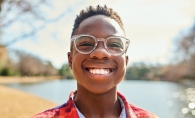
point(67, 109)
point(133, 111)
point(46, 114)
point(141, 113)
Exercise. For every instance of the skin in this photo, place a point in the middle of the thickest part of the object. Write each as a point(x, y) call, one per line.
point(97, 94)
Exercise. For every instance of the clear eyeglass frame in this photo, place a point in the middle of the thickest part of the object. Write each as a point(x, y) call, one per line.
point(73, 38)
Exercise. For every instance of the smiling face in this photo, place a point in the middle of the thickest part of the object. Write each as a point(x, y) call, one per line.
point(99, 71)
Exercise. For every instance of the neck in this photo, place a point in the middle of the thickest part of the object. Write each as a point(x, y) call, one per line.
point(98, 105)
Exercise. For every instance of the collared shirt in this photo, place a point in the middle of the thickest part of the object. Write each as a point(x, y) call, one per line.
point(122, 115)
point(69, 110)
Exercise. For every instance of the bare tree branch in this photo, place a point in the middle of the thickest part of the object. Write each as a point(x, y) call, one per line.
point(20, 8)
point(35, 30)
point(24, 36)
point(23, 7)
point(185, 43)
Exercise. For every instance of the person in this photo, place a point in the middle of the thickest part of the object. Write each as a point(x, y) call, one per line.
point(98, 62)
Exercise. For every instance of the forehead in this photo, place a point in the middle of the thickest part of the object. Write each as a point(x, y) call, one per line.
point(100, 26)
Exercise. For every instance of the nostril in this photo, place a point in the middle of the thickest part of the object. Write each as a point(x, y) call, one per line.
point(105, 58)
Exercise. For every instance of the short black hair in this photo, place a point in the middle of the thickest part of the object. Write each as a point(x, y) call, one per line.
point(99, 10)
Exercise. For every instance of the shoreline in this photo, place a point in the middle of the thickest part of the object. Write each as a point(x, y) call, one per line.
point(18, 104)
point(26, 79)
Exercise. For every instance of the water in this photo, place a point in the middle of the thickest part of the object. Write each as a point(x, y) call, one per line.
point(155, 96)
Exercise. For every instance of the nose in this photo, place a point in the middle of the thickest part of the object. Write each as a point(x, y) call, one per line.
point(100, 52)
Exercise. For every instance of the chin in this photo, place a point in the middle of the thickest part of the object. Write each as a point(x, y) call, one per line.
point(102, 90)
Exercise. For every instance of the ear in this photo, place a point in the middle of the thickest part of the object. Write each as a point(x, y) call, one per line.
point(69, 54)
point(126, 59)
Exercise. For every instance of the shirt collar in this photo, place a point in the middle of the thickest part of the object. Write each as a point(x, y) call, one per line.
point(127, 112)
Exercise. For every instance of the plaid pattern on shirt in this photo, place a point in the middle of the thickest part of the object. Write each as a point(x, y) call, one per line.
point(68, 110)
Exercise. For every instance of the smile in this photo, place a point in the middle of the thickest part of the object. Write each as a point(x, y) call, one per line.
point(101, 71)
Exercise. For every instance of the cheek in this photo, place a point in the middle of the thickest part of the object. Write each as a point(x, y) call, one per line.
point(77, 64)
point(122, 66)
point(122, 62)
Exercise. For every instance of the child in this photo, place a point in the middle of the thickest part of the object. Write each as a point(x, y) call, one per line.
point(98, 62)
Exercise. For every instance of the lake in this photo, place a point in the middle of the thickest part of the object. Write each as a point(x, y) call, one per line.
point(155, 96)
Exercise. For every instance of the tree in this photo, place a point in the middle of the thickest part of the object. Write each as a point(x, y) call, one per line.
point(138, 71)
point(32, 16)
point(185, 43)
point(29, 65)
point(30, 13)
point(65, 72)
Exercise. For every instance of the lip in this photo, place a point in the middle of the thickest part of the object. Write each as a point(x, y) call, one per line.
point(100, 66)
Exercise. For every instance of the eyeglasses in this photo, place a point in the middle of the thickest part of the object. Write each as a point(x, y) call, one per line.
point(86, 44)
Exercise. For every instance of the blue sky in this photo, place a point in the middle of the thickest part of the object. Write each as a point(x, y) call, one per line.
point(151, 25)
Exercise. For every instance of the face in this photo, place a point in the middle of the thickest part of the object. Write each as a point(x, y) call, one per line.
point(99, 71)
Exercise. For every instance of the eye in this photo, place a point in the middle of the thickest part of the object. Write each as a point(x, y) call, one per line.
point(84, 41)
point(115, 42)
point(115, 45)
point(86, 44)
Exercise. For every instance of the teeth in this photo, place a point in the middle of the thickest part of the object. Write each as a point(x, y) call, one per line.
point(99, 71)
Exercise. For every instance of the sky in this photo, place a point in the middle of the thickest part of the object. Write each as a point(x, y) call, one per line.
point(151, 26)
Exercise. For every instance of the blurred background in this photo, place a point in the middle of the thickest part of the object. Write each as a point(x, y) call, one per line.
point(160, 77)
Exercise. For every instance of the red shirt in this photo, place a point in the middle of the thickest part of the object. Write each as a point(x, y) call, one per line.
point(68, 110)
